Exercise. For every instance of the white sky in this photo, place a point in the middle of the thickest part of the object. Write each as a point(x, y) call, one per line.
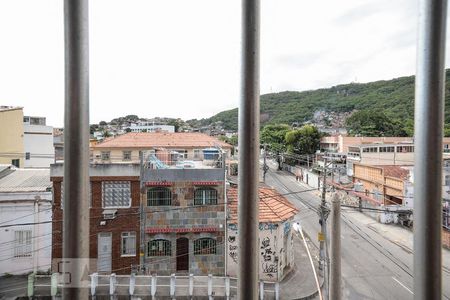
point(180, 58)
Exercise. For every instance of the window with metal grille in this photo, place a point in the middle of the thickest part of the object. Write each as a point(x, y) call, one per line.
point(106, 155)
point(22, 243)
point(159, 196)
point(205, 246)
point(126, 155)
point(159, 247)
point(116, 193)
point(205, 196)
point(128, 243)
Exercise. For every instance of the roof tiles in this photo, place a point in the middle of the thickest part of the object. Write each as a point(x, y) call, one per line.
point(161, 140)
point(273, 207)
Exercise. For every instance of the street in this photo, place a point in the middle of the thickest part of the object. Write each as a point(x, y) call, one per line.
point(375, 263)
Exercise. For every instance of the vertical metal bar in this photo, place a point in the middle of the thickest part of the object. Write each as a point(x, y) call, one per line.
point(76, 147)
point(248, 270)
point(335, 276)
point(429, 115)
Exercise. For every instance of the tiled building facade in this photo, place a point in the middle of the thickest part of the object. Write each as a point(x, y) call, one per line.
point(184, 221)
point(114, 217)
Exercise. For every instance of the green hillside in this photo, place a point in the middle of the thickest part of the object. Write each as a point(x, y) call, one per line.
point(394, 97)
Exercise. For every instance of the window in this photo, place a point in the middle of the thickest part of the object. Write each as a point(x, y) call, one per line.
point(128, 243)
point(386, 149)
point(116, 193)
point(183, 153)
point(27, 155)
point(159, 248)
point(447, 180)
point(126, 155)
point(159, 196)
point(370, 149)
point(197, 153)
point(205, 246)
point(405, 149)
point(15, 163)
point(22, 243)
point(106, 155)
point(205, 196)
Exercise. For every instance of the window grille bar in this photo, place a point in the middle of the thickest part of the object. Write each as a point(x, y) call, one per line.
point(76, 145)
point(248, 153)
point(429, 116)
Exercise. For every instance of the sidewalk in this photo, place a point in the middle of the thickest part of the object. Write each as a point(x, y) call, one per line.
point(300, 282)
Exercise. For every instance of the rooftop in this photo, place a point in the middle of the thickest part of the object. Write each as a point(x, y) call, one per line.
point(273, 207)
point(7, 108)
point(161, 140)
point(24, 180)
point(395, 171)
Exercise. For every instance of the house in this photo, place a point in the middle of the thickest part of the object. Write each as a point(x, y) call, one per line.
point(149, 127)
point(25, 141)
point(386, 185)
point(25, 214)
point(341, 143)
point(126, 148)
point(11, 136)
point(276, 216)
point(184, 211)
point(38, 143)
point(114, 216)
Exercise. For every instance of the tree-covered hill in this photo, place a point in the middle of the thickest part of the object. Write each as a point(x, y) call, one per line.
point(393, 97)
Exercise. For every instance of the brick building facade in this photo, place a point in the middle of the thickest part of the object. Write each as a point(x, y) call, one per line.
point(184, 221)
point(114, 216)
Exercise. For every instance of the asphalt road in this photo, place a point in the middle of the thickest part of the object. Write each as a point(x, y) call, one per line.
point(373, 266)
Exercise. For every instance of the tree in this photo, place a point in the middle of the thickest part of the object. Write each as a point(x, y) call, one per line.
point(102, 123)
point(274, 137)
point(128, 129)
point(305, 140)
point(374, 123)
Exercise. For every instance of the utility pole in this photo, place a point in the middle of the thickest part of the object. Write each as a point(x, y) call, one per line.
point(265, 167)
point(335, 276)
point(323, 211)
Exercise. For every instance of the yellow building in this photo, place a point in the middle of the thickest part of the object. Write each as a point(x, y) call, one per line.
point(11, 136)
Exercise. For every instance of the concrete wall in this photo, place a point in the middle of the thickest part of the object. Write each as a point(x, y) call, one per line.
point(276, 250)
point(11, 136)
point(38, 141)
point(23, 207)
point(102, 170)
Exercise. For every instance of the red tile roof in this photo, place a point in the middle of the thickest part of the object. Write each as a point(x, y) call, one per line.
point(273, 207)
point(395, 171)
point(161, 140)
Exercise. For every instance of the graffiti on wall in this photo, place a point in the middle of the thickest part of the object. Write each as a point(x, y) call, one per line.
point(269, 258)
point(232, 247)
point(268, 226)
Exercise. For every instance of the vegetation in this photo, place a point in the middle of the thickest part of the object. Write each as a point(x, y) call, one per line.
point(394, 98)
point(305, 140)
point(274, 136)
point(374, 123)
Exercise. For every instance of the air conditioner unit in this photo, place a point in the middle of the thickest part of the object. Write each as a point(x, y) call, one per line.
point(109, 214)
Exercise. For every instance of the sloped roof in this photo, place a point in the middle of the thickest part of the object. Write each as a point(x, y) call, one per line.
point(273, 207)
point(161, 140)
point(26, 180)
point(395, 171)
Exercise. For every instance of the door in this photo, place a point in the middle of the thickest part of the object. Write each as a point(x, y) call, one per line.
point(104, 252)
point(182, 254)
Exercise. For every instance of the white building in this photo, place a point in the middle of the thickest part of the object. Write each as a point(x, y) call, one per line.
point(150, 127)
point(276, 216)
point(25, 220)
point(38, 143)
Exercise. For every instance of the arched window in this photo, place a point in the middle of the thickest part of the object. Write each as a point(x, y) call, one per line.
point(205, 196)
point(159, 196)
point(205, 246)
point(159, 247)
